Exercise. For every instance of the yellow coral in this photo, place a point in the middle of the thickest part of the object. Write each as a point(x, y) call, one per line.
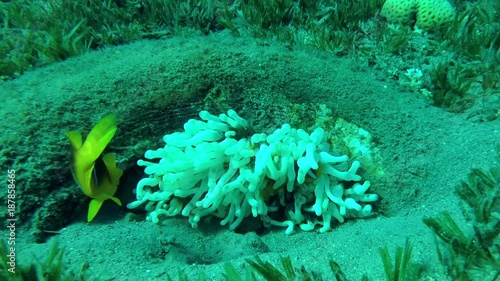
point(430, 14)
point(400, 11)
point(434, 13)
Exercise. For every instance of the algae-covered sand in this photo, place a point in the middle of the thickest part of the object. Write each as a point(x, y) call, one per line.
point(155, 86)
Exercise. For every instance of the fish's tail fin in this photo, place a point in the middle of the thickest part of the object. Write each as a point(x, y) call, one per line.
point(96, 204)
point(94, 207)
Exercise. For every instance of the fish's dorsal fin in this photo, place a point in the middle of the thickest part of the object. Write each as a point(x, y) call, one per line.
point(75, 138)
point(114, 172)
point(100, 135)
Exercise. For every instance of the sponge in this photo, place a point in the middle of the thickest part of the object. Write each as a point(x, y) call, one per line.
point(434, 13)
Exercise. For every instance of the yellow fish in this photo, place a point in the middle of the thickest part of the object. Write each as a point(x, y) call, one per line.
point(96, 174)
